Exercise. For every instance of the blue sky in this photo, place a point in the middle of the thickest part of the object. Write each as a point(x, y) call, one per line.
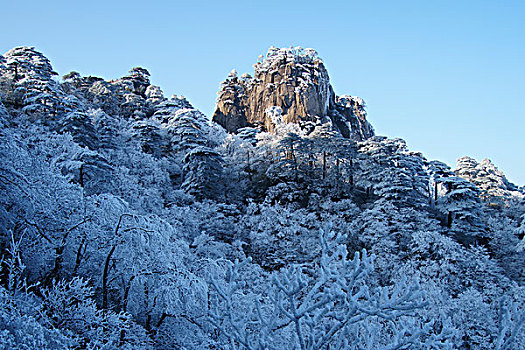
point(447, 76)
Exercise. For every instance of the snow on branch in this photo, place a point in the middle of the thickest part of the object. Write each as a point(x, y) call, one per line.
point(314, 308)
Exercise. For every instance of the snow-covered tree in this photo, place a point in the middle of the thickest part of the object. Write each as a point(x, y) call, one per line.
point(202, 172)
point(30, 85)
point(461, 206)
point(117, 206)
point(330, 306)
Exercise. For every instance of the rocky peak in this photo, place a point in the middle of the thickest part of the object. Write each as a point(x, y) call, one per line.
point(296, 81)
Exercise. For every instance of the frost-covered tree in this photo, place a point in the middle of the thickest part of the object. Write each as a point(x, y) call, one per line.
point(494, 186)
point(330, 306)
point(38, 206)
point(462, 207)
point(80, 126)
point(29, 84)
point(151, 136)
point(390, 171)
point(71, 306)
point(108, 129)
point(187, 127)
point(117, 205)
point(202, 172)
point(23, 325)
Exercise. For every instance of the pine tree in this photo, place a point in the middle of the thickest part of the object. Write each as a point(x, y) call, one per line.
point(203, 170)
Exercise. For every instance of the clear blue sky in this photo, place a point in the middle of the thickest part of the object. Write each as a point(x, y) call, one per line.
point(447, 76)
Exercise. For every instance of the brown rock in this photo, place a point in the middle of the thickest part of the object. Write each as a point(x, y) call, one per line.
point(295, 80)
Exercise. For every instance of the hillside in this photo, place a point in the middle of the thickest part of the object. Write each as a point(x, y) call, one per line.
point(132, 220)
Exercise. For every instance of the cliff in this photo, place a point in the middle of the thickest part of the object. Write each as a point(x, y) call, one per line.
point(296, 81)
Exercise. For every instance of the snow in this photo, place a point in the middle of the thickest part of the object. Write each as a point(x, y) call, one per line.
point(130, 220)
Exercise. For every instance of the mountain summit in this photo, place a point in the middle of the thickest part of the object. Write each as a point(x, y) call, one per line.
point(295, 81)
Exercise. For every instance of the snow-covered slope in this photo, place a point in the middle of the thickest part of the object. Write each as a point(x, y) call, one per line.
point(130, 220)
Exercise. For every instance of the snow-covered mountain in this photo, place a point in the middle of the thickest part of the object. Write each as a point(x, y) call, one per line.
point(131, 220)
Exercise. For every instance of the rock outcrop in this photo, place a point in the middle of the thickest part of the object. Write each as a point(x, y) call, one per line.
point(296, 81)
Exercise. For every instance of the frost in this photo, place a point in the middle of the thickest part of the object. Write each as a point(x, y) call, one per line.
point(130, 220)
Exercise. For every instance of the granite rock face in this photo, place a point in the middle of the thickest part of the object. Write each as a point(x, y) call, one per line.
point(296, 81)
